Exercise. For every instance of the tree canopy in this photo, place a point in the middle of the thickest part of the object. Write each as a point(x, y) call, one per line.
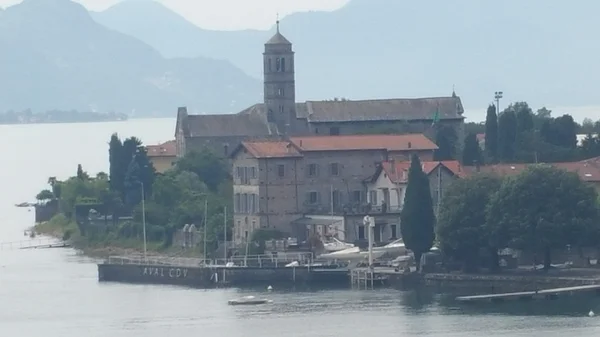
point(544, 208)
point(461, 224)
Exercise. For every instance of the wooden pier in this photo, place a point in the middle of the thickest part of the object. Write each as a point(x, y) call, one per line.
point(367, 278)
point(530, 295)
point(41, 243)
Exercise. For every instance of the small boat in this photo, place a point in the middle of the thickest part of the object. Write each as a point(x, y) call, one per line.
point(249, 300)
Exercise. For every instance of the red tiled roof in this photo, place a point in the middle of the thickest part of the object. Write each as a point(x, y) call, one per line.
point(398, 173)
point(364, 142)
point(167, 149)
point(586, 171)
point(271, 149)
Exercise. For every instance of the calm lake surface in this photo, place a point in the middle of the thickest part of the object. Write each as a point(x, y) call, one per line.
point(55, 292)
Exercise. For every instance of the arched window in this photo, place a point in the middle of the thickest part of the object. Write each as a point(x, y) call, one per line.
point(278, 64)
point(282, 64)
point(269, 64)
point(270, 116)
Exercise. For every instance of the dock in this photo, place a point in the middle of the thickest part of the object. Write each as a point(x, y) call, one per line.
point(530, 295)
point(41, 243)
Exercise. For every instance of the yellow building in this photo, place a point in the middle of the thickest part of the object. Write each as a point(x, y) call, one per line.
point(162, 156)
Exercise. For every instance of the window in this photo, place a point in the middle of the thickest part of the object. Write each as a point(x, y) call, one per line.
point(278, 64)
point(281, 109)
point(336, 198)
point(394, 230)
point(334, 131)
point(253, 224)
point(281, 170)
point(312, 170)
point(373, 197)
point(253, 172)
point(317, 131)
point(244, 203)
point(269, 65)
point(282, 64)
point(361, 232)
point(226, 149)
point(245, 235)
point(357, 196)
point(312, 198)
point(334, 169)
point(270, 116)
point(280, 92)
point(251, 203)
point(236, 203)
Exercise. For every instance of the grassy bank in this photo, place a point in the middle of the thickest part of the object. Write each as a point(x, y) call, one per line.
point(63, 228)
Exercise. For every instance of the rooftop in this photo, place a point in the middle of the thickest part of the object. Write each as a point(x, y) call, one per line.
point(364, 142)
point(295, 146)
point(586, 171)
point(167, 149)
point(397, 171)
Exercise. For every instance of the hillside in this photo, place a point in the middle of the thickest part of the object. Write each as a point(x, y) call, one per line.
point(537, 50)
point(55, 56)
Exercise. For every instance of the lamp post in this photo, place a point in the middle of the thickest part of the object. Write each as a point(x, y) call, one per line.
point(497, 97)
point(144, 218)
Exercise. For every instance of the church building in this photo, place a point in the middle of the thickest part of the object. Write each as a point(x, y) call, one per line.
point(280, 116)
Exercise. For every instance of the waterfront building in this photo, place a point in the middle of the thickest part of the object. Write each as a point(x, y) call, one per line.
point(301, 185)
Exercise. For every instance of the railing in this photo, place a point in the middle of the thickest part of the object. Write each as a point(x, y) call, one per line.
point(265, 260)
point(23, 244)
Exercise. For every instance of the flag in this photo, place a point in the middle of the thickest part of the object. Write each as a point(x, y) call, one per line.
point(436, 116)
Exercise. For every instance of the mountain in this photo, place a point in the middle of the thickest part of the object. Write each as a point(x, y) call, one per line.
point(535, 50)
point(55, 56)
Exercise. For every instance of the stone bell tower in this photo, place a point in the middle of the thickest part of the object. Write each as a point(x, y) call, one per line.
point(279, 83)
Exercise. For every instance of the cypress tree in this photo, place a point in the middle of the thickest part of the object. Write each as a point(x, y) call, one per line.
point(491, 133)
point(507, 136)
point(417, 219)
point(471, 152)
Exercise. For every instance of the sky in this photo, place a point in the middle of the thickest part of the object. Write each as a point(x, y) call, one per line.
point(225, 14)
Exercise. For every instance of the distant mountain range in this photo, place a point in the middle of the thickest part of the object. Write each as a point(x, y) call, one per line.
point(53, 55)
point(542, 51)
point(141, 57)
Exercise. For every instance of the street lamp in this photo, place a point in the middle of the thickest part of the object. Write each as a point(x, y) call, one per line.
point(498, 96)
point(144, 217)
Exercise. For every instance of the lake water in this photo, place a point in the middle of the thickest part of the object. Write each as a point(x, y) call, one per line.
point(55, 292)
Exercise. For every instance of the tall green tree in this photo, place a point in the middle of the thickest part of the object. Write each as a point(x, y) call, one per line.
point(471, 151)
point(545, 208)
point(417, 219)
point(445, 139)
point(461, 225)
point(491, 133)
point(507, 136)
point(116, 166)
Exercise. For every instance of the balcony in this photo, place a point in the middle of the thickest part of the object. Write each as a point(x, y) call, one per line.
point(347, 209)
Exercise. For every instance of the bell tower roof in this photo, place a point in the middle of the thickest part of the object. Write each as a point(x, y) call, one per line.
point(278, 38)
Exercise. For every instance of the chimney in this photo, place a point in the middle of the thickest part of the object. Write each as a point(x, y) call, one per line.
point(409, 145)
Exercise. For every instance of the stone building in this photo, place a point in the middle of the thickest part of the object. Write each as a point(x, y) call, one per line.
point(162, 156)
point(307, 181)
point(279, 114)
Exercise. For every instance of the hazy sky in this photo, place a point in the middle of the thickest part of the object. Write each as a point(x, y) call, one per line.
point(225, 14)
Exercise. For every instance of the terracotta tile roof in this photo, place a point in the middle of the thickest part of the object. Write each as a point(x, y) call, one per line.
point(398, 173)
point(167, 149)
point(586, 171)
point(364, 142)
point(271, 149)
point(594, 161)
point(250, 125)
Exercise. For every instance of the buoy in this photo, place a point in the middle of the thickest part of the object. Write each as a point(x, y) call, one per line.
point(591, 313)
point(269, 288)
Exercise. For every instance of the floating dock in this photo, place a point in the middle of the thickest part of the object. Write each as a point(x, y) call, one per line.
point(530, 295)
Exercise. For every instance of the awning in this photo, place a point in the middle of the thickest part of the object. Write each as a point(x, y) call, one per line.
point(312, 221)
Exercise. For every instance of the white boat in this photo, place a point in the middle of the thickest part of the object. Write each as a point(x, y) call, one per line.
point(248, 300)
point(336, 245)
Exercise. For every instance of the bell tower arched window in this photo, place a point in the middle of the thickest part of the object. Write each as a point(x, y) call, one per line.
point(278, 64)
point(282, 65)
